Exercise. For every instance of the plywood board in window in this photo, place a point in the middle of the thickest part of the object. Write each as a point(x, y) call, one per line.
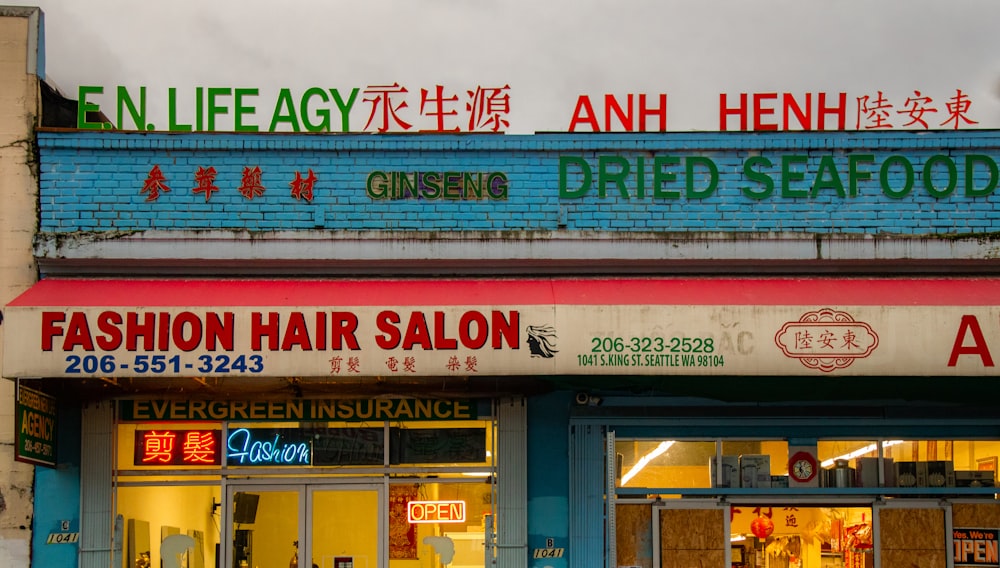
point(633, 534)
point(975, 515)
point(912, 529)
point(691, 529)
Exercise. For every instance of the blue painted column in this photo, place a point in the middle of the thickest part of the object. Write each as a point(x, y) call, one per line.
point(57, 496)
point(548, 478)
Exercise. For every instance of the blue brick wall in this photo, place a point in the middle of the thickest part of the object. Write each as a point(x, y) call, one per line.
point(92, 182)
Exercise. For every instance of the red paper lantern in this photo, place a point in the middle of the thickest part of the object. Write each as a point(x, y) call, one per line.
point(762, 527)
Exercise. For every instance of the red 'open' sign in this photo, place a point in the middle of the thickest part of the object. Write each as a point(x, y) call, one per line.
point(436, 511)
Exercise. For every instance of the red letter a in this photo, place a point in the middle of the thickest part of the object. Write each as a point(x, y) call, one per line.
point(584, 113)
point(970, 324)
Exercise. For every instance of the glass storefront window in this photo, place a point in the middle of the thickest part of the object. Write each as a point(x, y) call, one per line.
point(914, 463)
point(150, 514)
point(331, 476)
point(798, 536)
point(438, 524)
point(829, 452)
point(691, 464)
point(764, 464)
point(978, 455)
point(458, 443)
point(663, 463)
point(821, 516)
point(760, 535)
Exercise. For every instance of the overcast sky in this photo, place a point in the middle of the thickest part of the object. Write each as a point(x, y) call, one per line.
point(548, 51)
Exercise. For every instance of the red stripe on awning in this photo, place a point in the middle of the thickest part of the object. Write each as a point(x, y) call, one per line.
point(80, 292)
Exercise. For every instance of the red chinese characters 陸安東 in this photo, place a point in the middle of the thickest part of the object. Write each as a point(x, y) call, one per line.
point(916, 107)
point(826, 340)
point(874, 112)
point(958, 108)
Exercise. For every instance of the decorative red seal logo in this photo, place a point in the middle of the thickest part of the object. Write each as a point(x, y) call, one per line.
point(826, 340)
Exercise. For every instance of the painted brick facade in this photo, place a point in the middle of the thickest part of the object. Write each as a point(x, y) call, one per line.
point(93, 182)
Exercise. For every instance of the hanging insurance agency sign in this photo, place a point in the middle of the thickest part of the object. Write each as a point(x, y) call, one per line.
point(35, 427)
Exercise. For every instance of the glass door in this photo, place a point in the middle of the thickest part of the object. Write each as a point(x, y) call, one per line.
point(265, 525)
point(346, 527)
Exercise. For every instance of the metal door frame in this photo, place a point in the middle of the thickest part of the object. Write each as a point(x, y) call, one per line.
point(305, 488)
point(677, 504)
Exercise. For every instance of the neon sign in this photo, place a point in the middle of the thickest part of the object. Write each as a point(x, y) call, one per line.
point(177, 447)
point(250, 447)
point(436, 511)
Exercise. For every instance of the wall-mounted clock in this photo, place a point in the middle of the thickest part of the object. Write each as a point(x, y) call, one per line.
point(802, 467)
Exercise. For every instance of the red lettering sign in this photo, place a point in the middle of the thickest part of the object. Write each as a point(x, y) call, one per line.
point(436, 511)
point(797, 111)
point(320, 332)
point(629, 116)
point(473, 330)
point(187, 331)
point(969, 326)
point(177, 447)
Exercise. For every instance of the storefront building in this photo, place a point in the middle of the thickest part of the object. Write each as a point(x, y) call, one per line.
point(392, 351)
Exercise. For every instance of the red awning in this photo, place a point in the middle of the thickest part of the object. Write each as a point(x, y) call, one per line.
point(84, 292)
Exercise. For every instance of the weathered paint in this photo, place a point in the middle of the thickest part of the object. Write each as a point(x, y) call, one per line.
point(20, 59)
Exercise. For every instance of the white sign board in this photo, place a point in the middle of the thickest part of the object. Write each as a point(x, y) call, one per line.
point(607, 327)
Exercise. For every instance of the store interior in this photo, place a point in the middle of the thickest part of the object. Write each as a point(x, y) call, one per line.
point(800, 536)
point(344, 508)
point(816, 523)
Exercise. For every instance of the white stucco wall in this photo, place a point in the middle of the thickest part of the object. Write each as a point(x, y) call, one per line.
point(19, 110)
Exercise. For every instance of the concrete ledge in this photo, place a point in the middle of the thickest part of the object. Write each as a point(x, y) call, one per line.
point(382, 253)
